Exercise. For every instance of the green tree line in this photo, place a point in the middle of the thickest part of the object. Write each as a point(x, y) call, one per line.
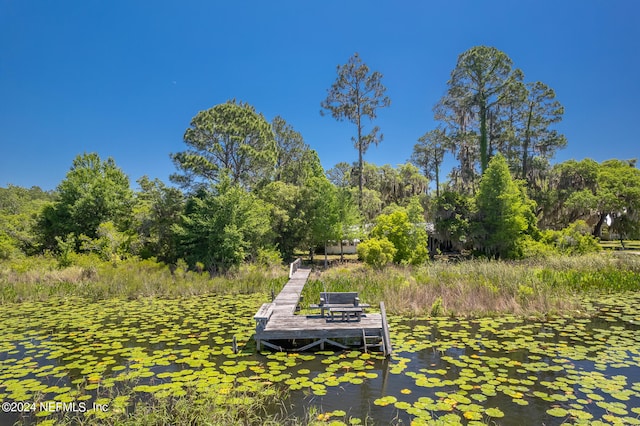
point(246, 189)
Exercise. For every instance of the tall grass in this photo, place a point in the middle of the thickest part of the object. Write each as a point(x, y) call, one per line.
point(472, 287)
point(195, 407)
point(37, 279)
point(209, 409)
point(480, 287)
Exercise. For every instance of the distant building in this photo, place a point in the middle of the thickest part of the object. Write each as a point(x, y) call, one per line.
point(348, 246)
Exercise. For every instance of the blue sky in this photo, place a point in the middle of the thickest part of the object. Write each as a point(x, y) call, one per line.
point(124, 78)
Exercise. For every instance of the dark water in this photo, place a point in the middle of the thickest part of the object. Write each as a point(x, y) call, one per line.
point(559, 345)
point(548, 371)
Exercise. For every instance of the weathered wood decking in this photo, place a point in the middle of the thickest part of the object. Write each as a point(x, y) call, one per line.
point(315, 330)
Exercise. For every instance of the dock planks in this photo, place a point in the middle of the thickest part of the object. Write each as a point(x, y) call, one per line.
point(284, 324)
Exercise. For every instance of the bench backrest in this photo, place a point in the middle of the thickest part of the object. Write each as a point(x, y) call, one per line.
point(341, 298)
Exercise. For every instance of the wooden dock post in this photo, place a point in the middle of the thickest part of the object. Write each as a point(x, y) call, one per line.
point(385, 331)
point(293, 267)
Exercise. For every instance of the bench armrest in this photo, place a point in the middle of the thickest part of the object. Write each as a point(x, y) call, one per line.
point(356, 301)
point(321, 301)
point(264, 313)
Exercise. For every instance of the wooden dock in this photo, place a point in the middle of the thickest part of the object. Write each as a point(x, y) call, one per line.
point(280, 328)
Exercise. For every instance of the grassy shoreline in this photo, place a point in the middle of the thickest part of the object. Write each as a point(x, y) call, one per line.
point(482, 287)
point(467, 288)
point(38, 279)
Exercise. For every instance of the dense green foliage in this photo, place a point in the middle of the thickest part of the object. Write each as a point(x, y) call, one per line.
point(19, 212)
point(295, 161)
point(592, 192)
point(230, 139)
point(252, 189)
point(377, 252)
point(504, 214)
point(240, 207)
point(222, 227)
point(384, 186)
point(452, 212)
point(618, 196)
point(574, 239)
point(408, 238)
point(158, 208)
point(93, 192)
point(288, 223)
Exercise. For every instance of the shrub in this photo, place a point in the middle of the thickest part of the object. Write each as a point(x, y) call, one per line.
point(574, 239)
point(66, 254)
point(437, 307)
point(7, 248)
point(377, 252)
point(531, 248)
point(268, 257)
point(409, 239)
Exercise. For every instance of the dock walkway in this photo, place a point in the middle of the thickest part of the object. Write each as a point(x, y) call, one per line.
point(286, 328)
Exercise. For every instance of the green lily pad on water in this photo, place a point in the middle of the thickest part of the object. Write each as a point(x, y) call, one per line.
point(494, 412)
point(384, 401)
point(558, 412)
